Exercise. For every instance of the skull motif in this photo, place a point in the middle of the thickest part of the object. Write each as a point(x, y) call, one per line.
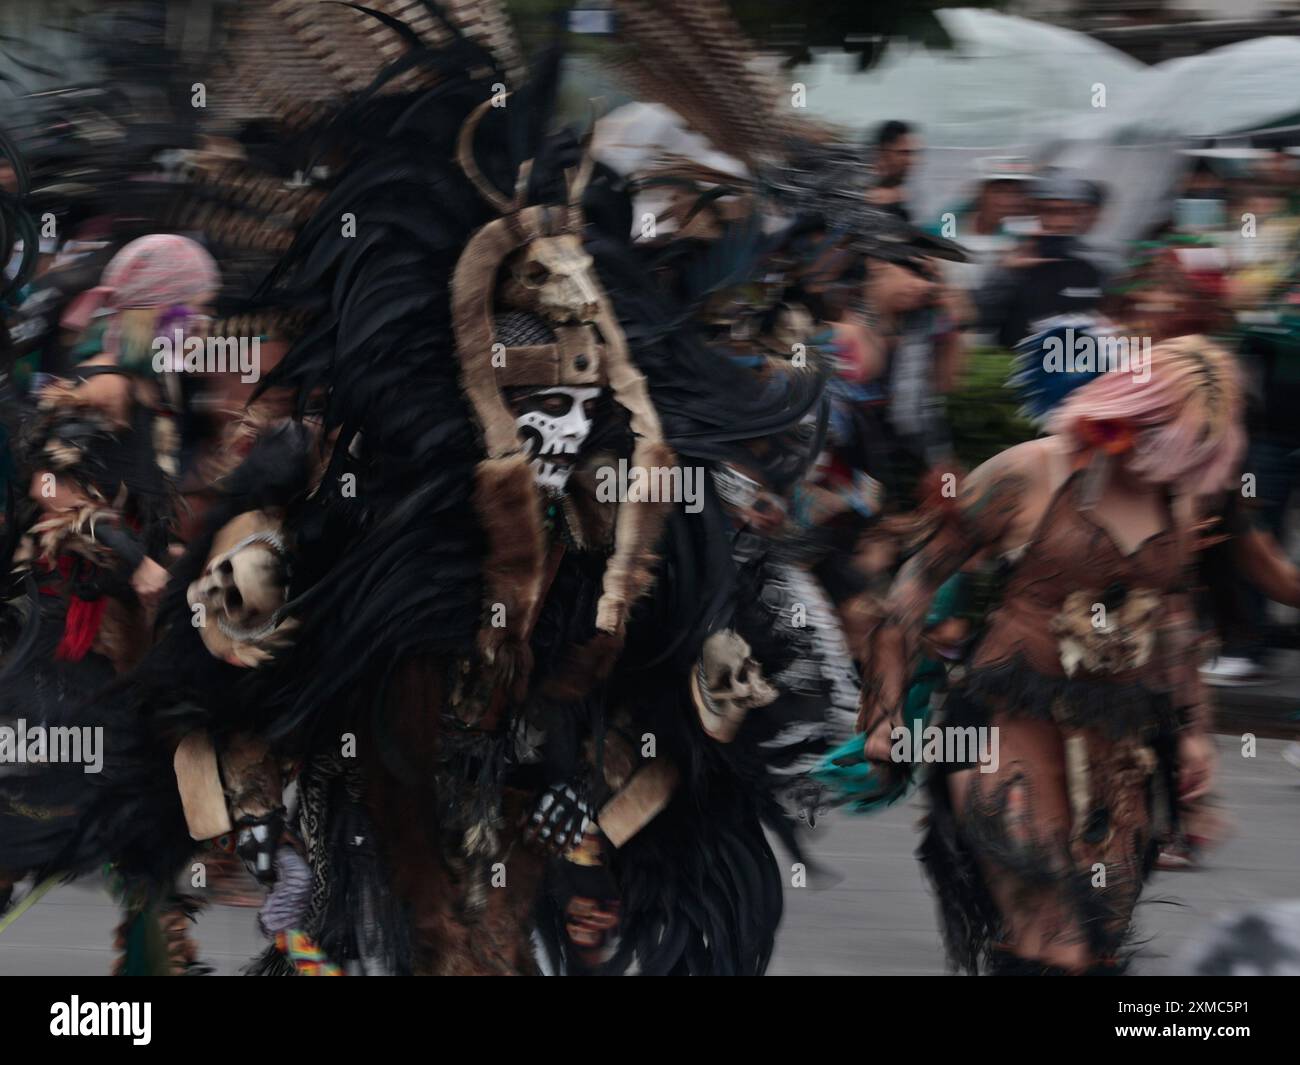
point(728, 683)
point(554, 424)
point(552, 277)
point(244, 587)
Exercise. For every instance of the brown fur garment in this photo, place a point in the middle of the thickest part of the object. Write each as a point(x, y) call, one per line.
point(436, 885)
point(514, 566)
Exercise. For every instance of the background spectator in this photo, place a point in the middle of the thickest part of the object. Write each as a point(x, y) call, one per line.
point(897, 148)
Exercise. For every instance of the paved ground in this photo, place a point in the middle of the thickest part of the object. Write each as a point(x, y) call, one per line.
point(1270, 708)
point(878, 918)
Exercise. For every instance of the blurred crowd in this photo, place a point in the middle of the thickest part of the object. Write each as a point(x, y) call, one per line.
point(1219, 259)
point(826, 475)
point(1013, 257)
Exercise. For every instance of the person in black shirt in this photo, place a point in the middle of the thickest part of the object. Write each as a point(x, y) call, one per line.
point(1048, 277)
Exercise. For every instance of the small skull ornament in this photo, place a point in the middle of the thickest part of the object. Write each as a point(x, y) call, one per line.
point(244, 587)
point(238, 599)
point(554, 424)
point(728, 683)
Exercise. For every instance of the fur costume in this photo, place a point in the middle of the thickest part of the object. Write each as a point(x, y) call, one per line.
point(414, 597)
point(467, 672)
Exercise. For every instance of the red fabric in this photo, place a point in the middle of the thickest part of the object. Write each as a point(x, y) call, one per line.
point(80, 627)
point(81, 622)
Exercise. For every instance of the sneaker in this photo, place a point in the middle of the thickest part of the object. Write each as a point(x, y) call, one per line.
point(1228, 671)
point(1176, 855)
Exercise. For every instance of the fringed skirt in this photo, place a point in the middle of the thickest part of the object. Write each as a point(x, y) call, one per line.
point(1051, 842)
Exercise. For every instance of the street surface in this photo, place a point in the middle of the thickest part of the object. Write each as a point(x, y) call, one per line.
point(877, 919)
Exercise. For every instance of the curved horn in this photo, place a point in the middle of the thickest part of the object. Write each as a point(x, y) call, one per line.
point(465, 158)
point(581, 175)
point(472, 284)
point(578, 183)
point(521, 184)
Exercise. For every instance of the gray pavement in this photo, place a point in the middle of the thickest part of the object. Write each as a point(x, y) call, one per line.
point(878, 918)
point(1268, 708)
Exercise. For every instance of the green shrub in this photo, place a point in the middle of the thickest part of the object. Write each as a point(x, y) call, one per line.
point(983, 411)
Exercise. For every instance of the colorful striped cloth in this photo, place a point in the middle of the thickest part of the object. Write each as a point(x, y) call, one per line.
point(306, 958)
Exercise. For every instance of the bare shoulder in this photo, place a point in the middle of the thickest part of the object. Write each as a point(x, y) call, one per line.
point(1002, 498)
point(1025, 466)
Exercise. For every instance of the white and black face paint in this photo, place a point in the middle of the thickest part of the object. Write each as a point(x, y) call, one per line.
point(554, 423)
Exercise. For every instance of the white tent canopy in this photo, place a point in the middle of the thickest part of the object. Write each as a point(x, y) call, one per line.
point(1135, 144)
point(1013, 86)
point(1003, 75)
point(1250, 85)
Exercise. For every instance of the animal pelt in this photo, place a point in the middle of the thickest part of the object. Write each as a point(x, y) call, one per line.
point(505, 500)
point(638, 527)
point(71, 531)
point(459, 924)
point(588, 661)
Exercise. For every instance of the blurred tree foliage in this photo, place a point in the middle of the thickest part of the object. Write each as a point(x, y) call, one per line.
point(985, 418)
point(983, 412)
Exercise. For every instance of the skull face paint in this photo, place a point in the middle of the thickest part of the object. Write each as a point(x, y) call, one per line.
point(554, 423)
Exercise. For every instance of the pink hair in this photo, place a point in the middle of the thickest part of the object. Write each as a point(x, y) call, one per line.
point(160, 270)
point(1185, 415)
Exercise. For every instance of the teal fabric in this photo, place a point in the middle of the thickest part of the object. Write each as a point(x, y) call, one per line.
point(864, 786)
point(91, 342)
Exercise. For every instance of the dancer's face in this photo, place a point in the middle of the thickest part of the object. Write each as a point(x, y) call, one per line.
point(554, 424)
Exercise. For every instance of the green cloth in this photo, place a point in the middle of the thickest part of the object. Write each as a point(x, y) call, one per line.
point(91, 342)
point(845, 771)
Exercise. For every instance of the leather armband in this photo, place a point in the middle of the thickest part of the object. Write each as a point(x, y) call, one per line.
point(198, 780)
point(645, 795)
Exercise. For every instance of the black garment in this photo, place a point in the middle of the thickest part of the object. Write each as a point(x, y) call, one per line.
point(128, 457)
point(1271, 360)
point(1011, 301)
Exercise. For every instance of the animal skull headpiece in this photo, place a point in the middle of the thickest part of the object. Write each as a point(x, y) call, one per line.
point(531, 260)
